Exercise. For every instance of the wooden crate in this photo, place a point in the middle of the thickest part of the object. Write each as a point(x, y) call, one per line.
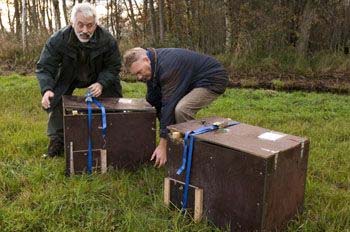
point(130, 136)
point(251, 178)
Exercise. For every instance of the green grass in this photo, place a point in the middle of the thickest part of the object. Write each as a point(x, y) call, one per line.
point(35, 195)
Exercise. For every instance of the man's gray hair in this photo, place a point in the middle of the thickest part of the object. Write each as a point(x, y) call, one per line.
point(86, 8)
point(132, 55)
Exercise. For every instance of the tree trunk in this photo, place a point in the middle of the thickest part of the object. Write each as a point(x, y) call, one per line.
point(153, 22)
point(42, 14)
point(346, 29)
point(305, 27)
point(1, 24)
point(57, 14)
point(228, 26)
point(24, 22)
point(109, 14)
point(49, 16)
point(29, 22)
point(161, 20)
point(137, 7)
point(17, 17)
point(117, 18)
point(145, 20)
point(11, 22)
point(64, 7)
point(169, 14)
point(131, 15)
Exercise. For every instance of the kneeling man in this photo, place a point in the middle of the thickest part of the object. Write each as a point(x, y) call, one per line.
point(179, 82)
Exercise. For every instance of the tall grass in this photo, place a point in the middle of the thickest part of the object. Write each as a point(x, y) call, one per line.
point(287, 60)
point(35, 195)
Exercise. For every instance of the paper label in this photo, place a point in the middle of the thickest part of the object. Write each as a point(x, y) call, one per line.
point(125, 101)
point(272, 136)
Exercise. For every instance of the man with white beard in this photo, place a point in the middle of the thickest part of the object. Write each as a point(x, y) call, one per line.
point(81, 55)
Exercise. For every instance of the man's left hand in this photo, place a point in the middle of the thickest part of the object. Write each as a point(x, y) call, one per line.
point(160, 153)
point(95, 89)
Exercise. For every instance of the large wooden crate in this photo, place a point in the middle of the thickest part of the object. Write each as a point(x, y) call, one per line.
point(130, 136)
point(245, 177)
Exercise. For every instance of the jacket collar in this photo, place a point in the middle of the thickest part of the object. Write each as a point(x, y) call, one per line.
point(152, 55)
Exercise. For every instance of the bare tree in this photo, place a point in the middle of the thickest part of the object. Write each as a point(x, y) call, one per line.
point(228, 26)
point(305, 27)
point(153, 22)
point(117, 18)
point(57, 14)
point(42, 10)
point(2, 28)
point(161, 20)
point(17, 17)
point(137, 7)
point(145, 19)
point(24, 21)
point(346, 26)
point(64, 8)
point(131, 15)
point(49, 16)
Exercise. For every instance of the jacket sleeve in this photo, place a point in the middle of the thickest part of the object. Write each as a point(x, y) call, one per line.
point(154, 97)
point(47, 66)
point(111, 65)
point(175, 82)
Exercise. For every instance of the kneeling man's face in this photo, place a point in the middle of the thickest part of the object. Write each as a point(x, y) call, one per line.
point(141, 69)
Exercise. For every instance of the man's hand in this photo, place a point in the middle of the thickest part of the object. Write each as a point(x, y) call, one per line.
point(159, 153)
point(45, 101)
point(95, 89)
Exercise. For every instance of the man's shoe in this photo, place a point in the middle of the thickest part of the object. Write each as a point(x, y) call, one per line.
point(56, 147)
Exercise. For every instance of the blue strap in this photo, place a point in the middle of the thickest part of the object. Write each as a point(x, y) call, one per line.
point(184, 154)
point(186, 141)
point(89, 100)
point(89, 157)
point(103, 114)
point(187, 155)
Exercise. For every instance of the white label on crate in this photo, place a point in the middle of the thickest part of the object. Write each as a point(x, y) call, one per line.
point(125, 101)
point(272, 136)
point(268, 150)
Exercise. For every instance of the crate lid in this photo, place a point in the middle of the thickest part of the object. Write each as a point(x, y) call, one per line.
point(110, 104)
point(243, 137)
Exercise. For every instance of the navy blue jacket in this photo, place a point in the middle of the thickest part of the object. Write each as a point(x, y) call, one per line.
point(175, 72)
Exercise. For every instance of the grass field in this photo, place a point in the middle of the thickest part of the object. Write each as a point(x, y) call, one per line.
point(35, 195)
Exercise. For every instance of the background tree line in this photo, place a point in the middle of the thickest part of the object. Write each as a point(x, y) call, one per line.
point(234, 27)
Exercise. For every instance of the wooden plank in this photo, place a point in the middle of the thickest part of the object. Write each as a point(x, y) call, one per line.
point(111, 104)
point(71, 159)
point(103, 160)
point(198, 205)
point(167, 191)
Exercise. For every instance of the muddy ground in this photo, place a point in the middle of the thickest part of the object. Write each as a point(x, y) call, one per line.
point(325, 82)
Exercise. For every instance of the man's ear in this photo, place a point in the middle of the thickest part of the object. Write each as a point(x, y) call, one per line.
point(145, 58)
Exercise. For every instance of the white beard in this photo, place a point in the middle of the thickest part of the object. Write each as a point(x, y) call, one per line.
point(81, 39)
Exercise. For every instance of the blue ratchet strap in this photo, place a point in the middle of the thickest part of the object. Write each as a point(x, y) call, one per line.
point(89, 100)
point(187, 155)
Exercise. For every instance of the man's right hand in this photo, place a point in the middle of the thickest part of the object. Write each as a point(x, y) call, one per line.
point(45, 101)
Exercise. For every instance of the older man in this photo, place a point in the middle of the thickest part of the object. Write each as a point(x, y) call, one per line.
point(78, 56)
point(179, 82)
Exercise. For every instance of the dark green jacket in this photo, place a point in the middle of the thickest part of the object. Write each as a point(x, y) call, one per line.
point(57, 67)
